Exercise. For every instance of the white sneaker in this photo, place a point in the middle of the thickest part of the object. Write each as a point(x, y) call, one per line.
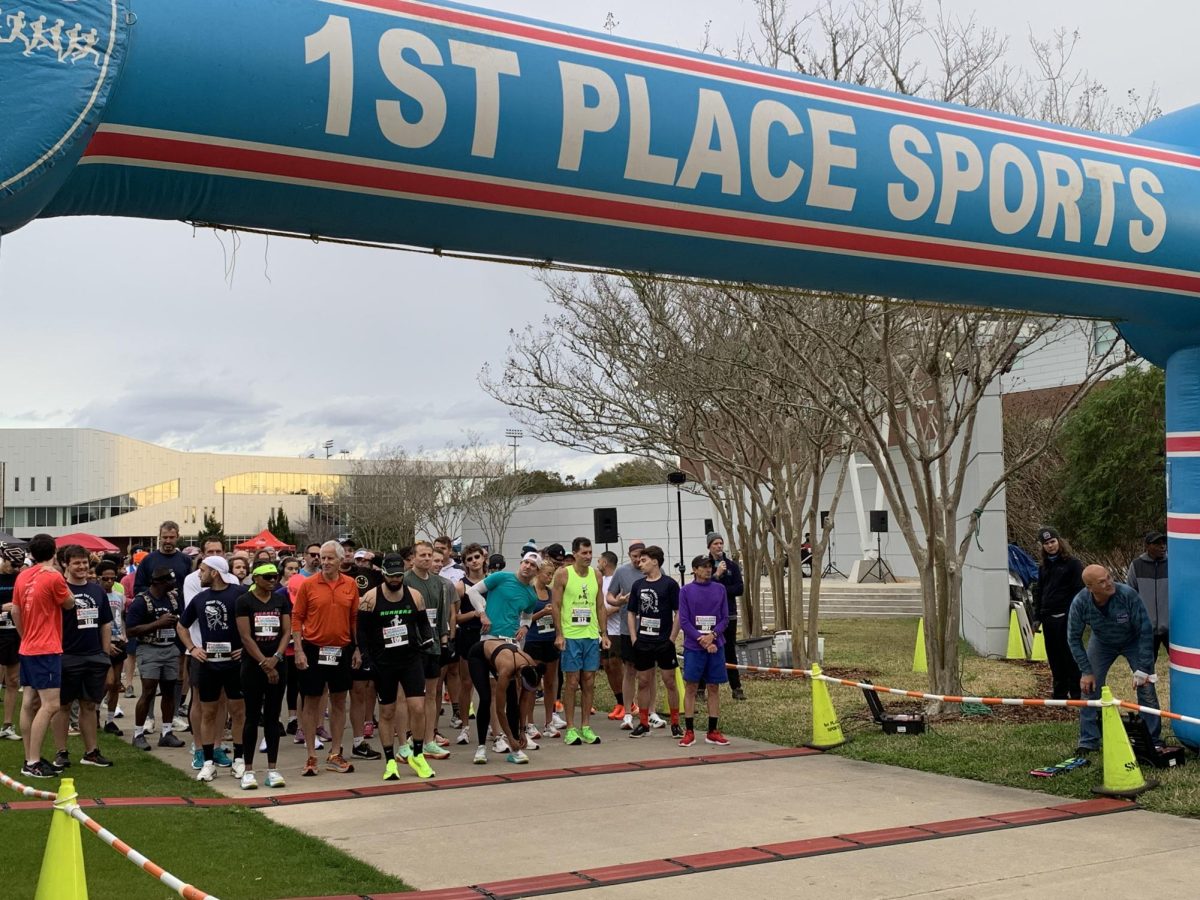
point(118, 713)
point(317, 744)
point(551, 732)
point(179, 724)
point(275, 780)
point(9, 733)
point(501, 745)
point(480, 755)
point(531, 732)
point(464, 736)
point(627, 723)
point(657, 721)
point(208, 771)
point(456, 722)
point(249, 782)
point(557, 721)
point(238, 769)
point(262, 746)
point(531, 744)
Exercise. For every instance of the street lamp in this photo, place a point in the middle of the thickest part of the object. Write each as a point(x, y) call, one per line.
point(328, 445)
point(514, 435)
point(678, 479)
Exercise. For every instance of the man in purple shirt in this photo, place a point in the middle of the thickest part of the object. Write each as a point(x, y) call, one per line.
point(703, 615)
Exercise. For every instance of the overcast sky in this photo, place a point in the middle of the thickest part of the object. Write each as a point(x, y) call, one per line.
point(142, 328)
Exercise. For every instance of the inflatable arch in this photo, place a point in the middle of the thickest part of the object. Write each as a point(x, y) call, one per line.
point(439, 125)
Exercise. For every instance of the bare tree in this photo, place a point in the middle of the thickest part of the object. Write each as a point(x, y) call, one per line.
point(494, 505)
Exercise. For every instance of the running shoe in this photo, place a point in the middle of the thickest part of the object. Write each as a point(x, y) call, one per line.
point(501, 745)
point(129, 692)
point(640, 731)
point(275, 780)
point(53, 765)
point(365, 751)
point(181, 724)
point(716, 738)
point(310, 767)
point(676, 730)
point(8, 733)
point(627, 723)
point(551, 732)
point(262, 746)
point(93, 758)
point(299, 736)
point(368, 730)
point(208, 772)
point(335, 762)
point(221, 758)
point(464, 736)
point(558, 707)
point(109, 728)
point(62, 760)
point(140, 742)
point(589, 736)
point(517, 758)
point(39, 770)
point(688, 739)
point(480, 755)
point(238, 769)
point(417, 763)
point(433, 751)
point(456, 722)
point(531, 744)
point(197, 758)
point(406, 750)
point(73, 730)
point(558, 721)
point(318, 744)
point(169, 740)
point(657, 721)
point(293, 726)
point(249, 782)
point(391, 772)
point(323, 733)
point(440, 739)
point(183, 710)
point(118, 713)
point(572, 739)
point(531, 732)
point(618, 712)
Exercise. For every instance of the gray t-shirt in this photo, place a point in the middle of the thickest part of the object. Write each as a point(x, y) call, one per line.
point(622, 583)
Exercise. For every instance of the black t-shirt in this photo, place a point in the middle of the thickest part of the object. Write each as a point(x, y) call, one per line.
point(366, 579)
point(654, 604)
point(266, 619)
point(146, 609)
point(213, 611)
point(81, 625)
point(8, 631)
point(395, 629)
point(178, 562)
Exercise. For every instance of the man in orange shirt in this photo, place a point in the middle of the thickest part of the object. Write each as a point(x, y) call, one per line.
point(40, 593)
point(324, 623)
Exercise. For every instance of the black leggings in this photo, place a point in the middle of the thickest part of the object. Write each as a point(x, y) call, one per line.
point(481, 677)
point(264, 700)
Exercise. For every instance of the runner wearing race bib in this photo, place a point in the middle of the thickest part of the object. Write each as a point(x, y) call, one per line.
point(653, 625)
point(541, 647)
point(703, 616)
point(582, 630)
point(264, 621)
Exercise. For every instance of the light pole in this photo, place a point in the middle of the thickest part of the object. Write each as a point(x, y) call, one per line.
point(328, 445)
point(678, 479)
point(514, 435)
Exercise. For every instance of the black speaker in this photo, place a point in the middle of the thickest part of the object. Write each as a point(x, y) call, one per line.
point(605, 522)
point(879, 521)
point(824, 519)
point(708, 526)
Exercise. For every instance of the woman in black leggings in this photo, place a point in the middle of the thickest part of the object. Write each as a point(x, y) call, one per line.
point(264, 621)
point(513, 671)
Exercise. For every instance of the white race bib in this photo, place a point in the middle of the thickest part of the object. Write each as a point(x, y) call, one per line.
point(706, 624)
point(581, 615)
point(266, 625)
point(87, 616)
point(218, 650)
point(650, 627)
point(329, 656)
point(395, 635)
point(166, 634)
point(431, 614)
point(6, 621)
point(546, 625)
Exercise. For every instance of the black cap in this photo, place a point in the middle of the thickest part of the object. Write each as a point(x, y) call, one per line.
point(1046, 533)
point(1155, 537)
point(556, 552)
point(702, 560)
point(496, 562)
point(393, 564)
point(163, 575)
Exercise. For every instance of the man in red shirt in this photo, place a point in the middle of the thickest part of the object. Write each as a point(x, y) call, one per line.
point(40, 593)
point(324, 623)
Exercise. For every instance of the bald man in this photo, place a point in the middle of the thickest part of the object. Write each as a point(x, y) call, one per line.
point(1120, 627)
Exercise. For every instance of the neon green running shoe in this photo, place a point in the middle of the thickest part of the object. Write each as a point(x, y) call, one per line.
point(572, 738)
point(391, 772)
point(417, 763)
point(589, 736)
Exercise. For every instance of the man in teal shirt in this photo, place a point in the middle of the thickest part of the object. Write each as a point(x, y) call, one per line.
point(502, 599)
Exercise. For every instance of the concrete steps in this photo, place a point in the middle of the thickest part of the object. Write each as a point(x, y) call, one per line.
point(842, 600)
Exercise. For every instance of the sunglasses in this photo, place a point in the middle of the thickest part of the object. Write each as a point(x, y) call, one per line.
point(268, 577)
point(315, 555)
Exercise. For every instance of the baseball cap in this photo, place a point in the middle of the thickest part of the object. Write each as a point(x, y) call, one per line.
point(393, 564)
point(360, 554)
point(14, 553)
point(166, 575)
point(556, 552)
point(702, 561)
point(496, 562)
point(1045, 533)
point(218, 565)
point(532, 557)
point(1154, 537)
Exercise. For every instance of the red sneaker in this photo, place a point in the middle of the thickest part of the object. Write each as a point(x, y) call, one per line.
point(715, 737)
point(310, 767)
point(688, 739)
point(618, 712)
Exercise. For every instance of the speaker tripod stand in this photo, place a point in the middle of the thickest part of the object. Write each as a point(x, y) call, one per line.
point(831, 566)
point(879, 568)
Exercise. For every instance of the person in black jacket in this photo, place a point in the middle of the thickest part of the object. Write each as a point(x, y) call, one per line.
point(728, 574)
point(1060, 578)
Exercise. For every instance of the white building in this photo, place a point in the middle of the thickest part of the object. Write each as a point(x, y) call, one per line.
point(61, 480)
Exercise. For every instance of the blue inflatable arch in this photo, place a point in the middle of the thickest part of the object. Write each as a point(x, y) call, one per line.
point(439, 125)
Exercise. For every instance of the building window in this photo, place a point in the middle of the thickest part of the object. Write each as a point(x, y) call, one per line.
point(32, 483)
point(16, 484)
point(47, 482)
point(110, 507)
point(1104, 336)
point(278, 483)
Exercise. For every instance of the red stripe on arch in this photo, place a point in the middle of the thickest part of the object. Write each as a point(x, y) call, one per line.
point(1180, 525)
point(1186, 658)
point(1189, 443)
point(614, 210)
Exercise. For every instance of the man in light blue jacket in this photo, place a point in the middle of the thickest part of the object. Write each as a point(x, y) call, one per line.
point(1120, 627)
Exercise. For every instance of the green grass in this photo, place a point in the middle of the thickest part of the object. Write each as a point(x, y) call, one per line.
point(230, 852)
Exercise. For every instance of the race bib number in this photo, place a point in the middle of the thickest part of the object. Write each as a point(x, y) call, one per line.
point(650, 627)
point(706, 624)
point(329, 656)
point(266, 625)
point(431, 614)
point(546, 625)
point(581, 615)
point(395, 636)
point(166, 634)
point(6, 621)
point(87, 616)
point(218, 650)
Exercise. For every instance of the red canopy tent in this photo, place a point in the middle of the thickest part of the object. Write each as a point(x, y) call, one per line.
point(89, 542)
point(264, 540)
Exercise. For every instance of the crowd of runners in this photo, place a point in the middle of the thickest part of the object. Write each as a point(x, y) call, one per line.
point(245, 651)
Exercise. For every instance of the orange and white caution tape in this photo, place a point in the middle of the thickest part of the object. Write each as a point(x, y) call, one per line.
point(25, 789)
point(950, 698)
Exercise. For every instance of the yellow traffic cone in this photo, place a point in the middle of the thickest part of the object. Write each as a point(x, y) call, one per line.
point(827, 733)
point(1122, 775)
point(1039, 647)
point(63, 877)
point(919, 664)
point(1016, 646)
